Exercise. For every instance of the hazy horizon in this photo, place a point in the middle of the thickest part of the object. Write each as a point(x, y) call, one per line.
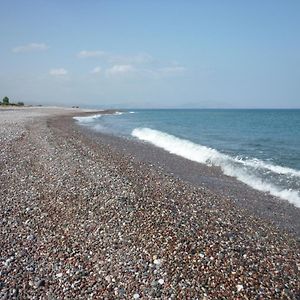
point(141, 54)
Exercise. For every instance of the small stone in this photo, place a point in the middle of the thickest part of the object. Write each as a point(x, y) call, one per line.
point(30, 268)
point(8, 261)
point(161, 281)
point(59, 275)
point(154, 283)
point(41, 283)
point(121, 292)
point(31, 237)
point(239, 288)
point(136, 296)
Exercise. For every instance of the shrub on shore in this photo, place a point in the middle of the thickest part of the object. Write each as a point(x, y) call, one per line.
point(5, 101)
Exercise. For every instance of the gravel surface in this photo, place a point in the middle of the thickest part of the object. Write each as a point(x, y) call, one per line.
point(280, 212)
point(80, 221)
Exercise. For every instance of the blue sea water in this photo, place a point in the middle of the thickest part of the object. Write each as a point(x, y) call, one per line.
point(259, 147)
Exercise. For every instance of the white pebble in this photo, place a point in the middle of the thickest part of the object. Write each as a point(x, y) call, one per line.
point(161, 281)
point(239, 287)
point(136, 296)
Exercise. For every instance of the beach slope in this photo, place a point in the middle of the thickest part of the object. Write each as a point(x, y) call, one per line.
point(80, 221)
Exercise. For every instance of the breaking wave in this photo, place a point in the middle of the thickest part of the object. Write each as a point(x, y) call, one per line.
point(118, 113)
point(93, 118)
point(87, 119)
point(252, 172)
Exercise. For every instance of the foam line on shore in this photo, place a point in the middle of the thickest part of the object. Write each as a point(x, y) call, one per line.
point(256, 163)
point(87, 119)
point(229, 165)
point(92, 118)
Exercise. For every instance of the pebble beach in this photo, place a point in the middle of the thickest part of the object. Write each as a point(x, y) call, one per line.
point(80, 220)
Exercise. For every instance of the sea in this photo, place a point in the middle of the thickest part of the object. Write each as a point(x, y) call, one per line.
point(260, 148)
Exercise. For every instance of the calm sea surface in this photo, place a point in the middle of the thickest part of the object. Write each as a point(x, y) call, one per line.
point(259, 147)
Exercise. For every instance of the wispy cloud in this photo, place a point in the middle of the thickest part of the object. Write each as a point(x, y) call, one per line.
point(171, 70)
point(58, 72)
point(120, 70)
point(87, 54)
point(33, 47)
point(163, 72)
point(140, 58)
point(141, 64)
point(96, 70)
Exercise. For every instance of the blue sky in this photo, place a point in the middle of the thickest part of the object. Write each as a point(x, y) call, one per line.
point(206, 54)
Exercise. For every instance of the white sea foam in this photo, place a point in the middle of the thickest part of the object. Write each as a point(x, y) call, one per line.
point(256, 163)
point(230, 166)
point(87, 119)
point(118, 113)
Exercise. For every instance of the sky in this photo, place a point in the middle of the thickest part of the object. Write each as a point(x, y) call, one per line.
point(151, 54)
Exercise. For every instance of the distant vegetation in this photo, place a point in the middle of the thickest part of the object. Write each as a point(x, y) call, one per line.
point(6, 102)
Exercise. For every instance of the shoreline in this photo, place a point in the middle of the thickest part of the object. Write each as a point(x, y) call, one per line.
point(82, 219)
point(280, 212)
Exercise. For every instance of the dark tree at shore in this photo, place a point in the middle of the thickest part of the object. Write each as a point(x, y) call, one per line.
point(5, 101)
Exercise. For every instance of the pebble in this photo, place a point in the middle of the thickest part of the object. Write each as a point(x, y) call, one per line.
point(41, 283)
point(31, 237)
point(239, 288)
point(106, 224)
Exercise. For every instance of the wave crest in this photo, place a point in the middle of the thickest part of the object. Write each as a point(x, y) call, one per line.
point(87, 119)
point(230, 166)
